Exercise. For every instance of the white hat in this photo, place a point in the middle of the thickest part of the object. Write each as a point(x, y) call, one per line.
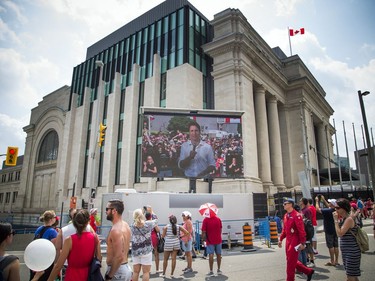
point(333, 202)
point(93, 210)
point(186, 214)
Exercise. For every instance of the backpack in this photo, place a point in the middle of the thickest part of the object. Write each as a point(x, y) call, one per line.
point(4, 263)
point(41, 232)
point(309, 229)
point(362, 239)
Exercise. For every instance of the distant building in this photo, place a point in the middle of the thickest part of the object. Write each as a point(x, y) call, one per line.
point(172, 57)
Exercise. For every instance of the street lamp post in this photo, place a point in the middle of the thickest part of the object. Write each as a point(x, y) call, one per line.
point(368, 143)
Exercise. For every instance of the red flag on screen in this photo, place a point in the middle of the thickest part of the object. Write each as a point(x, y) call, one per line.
point(293, 32)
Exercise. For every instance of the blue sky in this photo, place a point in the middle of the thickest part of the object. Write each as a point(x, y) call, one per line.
point(42, 40)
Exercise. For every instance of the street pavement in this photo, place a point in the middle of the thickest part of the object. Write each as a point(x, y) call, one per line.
point(263, 264)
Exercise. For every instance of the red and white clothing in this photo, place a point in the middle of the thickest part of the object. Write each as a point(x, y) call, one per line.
point(294, 232)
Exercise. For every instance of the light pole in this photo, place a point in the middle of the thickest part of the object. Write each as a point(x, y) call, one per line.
point(368, 143)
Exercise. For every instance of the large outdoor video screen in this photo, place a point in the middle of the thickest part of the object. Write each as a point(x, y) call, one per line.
point(188, 146)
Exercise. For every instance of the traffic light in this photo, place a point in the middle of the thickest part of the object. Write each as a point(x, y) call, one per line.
point(11, 157)
point(102, 129)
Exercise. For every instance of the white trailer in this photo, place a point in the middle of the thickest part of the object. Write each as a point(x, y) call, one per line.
point(234, 209)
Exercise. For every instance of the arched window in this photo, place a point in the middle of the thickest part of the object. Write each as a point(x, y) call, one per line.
point(49, 149)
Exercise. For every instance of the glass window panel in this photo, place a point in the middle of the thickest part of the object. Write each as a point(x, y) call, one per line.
point(149, 70)
point(163, 64)
point(165, 24)
point(158, 28)
point(180, 17)
point(173, 41)
point(49, 148)
point(132, 43)
point(191, 18)
point(151, 32)
point(127, 45)
point(180, 57)
point(197, 23)
point(163, 103)
point(198, 62)
point(139, 38)
point(203, 27)
point(142, 73)
point(173, 21)
point(145, 35)
point(172, 60)
point(191, 38)
point(191, 57)
point(180, 37)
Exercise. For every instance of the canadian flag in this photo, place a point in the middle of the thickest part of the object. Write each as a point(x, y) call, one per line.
point(293, 32)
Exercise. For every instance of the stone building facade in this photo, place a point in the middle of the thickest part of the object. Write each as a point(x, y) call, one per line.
point(221, 65)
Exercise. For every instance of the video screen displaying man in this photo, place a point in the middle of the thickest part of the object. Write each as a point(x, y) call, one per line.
point(184, 146)
point(196, 157)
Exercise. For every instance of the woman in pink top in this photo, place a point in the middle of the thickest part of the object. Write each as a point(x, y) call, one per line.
point(79, 249)
point(187, 241)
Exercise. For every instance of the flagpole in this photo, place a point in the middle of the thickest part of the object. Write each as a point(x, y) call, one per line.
point(290, 44)
point(367, 152)
point(356, 150)
point(347, 155)
point(328, 158)
point(338, 156)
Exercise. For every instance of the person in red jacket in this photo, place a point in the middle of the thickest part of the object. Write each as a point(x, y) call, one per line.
point(294, 232)
point(93, 213)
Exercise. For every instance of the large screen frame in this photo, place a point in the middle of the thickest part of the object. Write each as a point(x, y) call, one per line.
point(166, 149)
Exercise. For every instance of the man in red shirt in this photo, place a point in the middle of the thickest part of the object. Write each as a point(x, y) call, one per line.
point(294, 232)
point(211, 233)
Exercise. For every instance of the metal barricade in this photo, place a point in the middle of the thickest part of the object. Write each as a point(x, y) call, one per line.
point(264, 231)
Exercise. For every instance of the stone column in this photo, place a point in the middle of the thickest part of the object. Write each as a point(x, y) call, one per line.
point(262, 136)
point(275, 143)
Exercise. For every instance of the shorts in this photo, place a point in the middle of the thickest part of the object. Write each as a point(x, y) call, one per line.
point(187, 246)
point(314, 237)
point(332, 241)
point(124, 272)
point(143, 259)
point(171, 245)
point(215, 248)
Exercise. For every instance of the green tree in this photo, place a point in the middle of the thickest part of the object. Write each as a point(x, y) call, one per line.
point(179, 123)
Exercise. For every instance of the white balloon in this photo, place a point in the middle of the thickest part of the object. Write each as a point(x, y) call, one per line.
point(39, 254)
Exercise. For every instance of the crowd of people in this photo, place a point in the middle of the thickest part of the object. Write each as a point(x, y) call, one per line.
point(341, 221)
point(191, 154)
point(77, 243)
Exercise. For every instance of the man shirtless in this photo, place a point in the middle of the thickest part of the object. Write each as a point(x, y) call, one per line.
point(118, 242)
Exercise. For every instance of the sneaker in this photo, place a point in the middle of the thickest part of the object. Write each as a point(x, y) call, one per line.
point(309, 276)
point(188, 270)
point(162, 275)
point(210, 273)
point(172, 276)
point(219, 272)
point(311, 265)
point(204, 257)
point(181, 257)
point(315, 252)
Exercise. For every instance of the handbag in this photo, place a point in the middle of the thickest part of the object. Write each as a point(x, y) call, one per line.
point(362, 239)
point(94, 271)
point(161, 242)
